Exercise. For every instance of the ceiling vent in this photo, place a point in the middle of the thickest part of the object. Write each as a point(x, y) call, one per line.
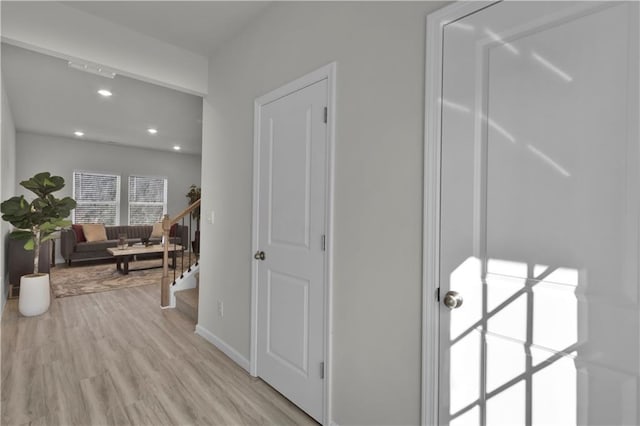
point(92, 68)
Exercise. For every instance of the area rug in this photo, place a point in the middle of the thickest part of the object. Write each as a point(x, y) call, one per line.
point(94, 278)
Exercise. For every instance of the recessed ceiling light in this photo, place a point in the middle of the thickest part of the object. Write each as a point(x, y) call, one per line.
point(176, 147)
point(78, 133)
point(105, 93)
point(152, 130)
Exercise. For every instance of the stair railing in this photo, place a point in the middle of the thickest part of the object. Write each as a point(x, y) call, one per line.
point(181, 251)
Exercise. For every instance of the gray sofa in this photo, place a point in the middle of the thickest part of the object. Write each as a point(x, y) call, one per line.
point(72, 249)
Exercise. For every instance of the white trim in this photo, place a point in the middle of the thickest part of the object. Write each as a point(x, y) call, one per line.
point(328, 288)
point(327, 72)
point(431, 208)
point(223, 346)
point(253, 344)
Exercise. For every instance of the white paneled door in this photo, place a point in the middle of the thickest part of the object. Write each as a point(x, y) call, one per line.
point(539, 215)
point(291, 257)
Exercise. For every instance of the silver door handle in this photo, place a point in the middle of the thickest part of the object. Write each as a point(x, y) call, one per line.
point(452, 300)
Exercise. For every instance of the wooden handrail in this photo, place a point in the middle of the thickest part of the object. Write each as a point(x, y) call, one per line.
point(184, 212)
point(167, 222)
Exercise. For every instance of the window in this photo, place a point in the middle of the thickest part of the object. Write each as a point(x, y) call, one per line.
point(147, 199)
point(98, 198)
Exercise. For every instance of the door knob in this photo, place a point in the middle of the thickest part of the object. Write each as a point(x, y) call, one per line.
point(259, 255)
point(452, 300)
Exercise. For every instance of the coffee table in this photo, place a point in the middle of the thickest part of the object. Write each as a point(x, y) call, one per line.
point(124, 256)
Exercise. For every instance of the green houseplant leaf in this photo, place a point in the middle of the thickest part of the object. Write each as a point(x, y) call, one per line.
point(37, 220)
point(194, 195)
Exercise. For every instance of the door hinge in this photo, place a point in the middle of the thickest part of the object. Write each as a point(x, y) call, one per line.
point(322, 370)
point(438, 294)
point(326, 114)
point(324, 243)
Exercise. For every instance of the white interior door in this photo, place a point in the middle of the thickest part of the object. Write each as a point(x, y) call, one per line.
point(539, 216)
point(291, 227)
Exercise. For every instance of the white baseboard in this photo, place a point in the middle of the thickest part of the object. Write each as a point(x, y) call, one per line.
point(224, 347)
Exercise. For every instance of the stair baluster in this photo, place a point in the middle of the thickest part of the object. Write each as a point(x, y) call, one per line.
point(167, 223)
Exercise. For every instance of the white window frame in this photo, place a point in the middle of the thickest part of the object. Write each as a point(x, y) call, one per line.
point(116, 202)
point(130, 203)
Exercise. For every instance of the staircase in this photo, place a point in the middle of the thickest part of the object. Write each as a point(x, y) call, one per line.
point(186, 301)
point(179, 289)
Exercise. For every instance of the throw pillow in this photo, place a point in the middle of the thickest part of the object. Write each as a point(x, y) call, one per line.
point(172, 231)
point(157, 230)
point(79, 233)
point(94, 232)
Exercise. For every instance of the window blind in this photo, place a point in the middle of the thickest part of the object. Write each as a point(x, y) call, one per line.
point(147, 199)
point(98, 198)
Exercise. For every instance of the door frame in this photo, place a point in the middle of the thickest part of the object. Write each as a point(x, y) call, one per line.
point(327, 72)
point(430, 374)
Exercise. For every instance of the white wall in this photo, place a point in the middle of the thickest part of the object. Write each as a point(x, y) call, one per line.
point(61, 156)
point(59, 30)
point(379, 49)
point(7, 187)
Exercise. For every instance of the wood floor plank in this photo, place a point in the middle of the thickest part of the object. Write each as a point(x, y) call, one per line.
point(148, 412)
point(63, 394)
point(100, 398)
point(25, 398)
point(116, 358)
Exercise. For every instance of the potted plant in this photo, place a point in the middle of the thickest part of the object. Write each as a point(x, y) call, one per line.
point(194, 195)
point(35, 223)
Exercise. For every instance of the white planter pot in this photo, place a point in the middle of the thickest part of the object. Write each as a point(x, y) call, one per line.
point(35, 295)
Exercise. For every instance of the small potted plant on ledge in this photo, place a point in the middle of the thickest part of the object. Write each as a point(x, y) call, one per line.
point(194, 195)
point(35, 223)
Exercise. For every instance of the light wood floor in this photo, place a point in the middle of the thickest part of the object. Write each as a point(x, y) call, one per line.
point(116, 358)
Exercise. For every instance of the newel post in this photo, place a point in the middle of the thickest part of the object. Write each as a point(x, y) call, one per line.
point(164, 285)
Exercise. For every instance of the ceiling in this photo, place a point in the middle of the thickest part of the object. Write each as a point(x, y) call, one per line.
point(48, 97)
point(198, 26)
